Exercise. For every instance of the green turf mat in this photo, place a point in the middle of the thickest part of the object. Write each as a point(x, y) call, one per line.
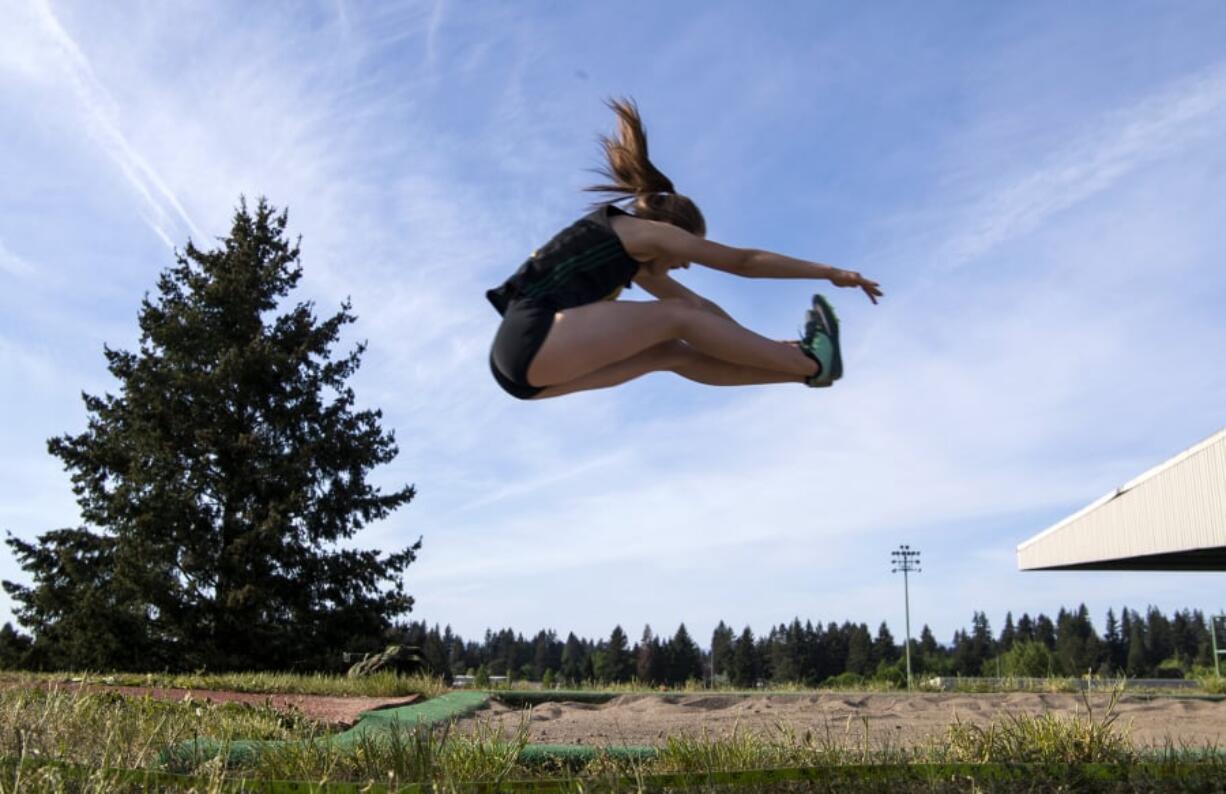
point(436, 711)
point(442, 709)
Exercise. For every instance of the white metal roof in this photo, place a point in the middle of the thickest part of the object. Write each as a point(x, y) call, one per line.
point(1171, 517)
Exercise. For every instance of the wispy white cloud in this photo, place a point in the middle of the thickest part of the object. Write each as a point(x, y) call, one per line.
point(103, 121)
point(568, 471)
point(342, 16)
point(13, 264)
point(432, 33)
point(1191, 110)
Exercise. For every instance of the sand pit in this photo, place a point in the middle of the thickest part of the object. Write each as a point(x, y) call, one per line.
point(891, 720)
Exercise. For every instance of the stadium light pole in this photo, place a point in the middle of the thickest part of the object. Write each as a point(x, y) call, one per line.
point(906, 559)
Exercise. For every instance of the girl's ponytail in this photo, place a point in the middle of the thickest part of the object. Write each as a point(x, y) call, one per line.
point(632, 175)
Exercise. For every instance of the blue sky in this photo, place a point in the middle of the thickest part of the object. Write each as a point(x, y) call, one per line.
point(1037, 187)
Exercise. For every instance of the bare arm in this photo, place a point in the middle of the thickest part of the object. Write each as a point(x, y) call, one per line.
point(650, 240)
point(661, 286)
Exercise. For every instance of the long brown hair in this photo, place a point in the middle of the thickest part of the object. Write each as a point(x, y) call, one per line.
point(632, 175)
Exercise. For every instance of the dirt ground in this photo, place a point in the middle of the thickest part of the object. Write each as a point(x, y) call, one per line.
point(324, 709)
point(890, 720)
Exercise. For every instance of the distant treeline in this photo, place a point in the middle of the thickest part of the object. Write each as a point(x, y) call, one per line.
point(1134, 644)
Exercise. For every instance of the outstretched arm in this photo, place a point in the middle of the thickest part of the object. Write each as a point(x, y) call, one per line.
point(661, 286)
point(654, 239)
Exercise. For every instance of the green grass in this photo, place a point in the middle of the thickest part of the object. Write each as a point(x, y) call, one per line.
point(1205, 685)
point(378, 685)
point(1082, 738)
point(391, 685)
point(1210, 683)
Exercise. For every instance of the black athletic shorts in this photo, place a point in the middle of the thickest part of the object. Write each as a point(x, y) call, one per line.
point(524, 327)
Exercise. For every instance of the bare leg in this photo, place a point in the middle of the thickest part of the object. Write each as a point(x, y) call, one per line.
point(701, 368)
point(586, 339)
point(675, 357)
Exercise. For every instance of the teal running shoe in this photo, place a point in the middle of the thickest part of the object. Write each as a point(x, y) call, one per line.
point(820, 342)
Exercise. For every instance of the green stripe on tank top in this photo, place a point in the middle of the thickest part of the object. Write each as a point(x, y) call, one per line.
point(567, 267)
point(578, 263)
point(578, 268)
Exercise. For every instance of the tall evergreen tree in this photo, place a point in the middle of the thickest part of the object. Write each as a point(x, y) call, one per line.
point(1068, 645)
point(648, 659)
point(815, 664)
point(836, 641)
point(884, 649)
point(721, 649)
point(1204, 642)
point(1159, 639)
point(860, 651)
point(503, 658)
point(546, 654)
point(1112, 639)
point(745, 665)
point(517, 659)
point(455, 652)
point(620, 662)
point(1137, 665)
point(1045, 631)
point(1125, 639)
point(1078, 647)
point(963, 657)
point(13, 648)
point(1008, 634)
point(1025, 629)
point(602, 668)
point(219, 484)
point(982, 643)
point(574, 661)
point(684, 660)
point(1184, 636)
point(782, 655)
point(434, 653)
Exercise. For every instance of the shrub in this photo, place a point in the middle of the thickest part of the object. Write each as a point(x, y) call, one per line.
point(1169, 668)
point(1043, 739)
point(1027, 659)
point(844, 681)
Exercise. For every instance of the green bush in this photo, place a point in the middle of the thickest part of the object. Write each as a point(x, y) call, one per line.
point(894, 674)
point(1170, 668)
point(844, 681)
point(1027, 659)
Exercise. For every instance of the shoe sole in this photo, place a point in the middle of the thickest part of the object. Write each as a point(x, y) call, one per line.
point(831, 321)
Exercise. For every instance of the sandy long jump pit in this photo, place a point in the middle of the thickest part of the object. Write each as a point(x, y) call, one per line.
point(891, 720)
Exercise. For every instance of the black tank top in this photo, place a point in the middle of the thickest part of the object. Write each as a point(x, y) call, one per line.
point(583, 263)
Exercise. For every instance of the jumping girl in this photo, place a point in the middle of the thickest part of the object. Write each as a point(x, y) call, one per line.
point(563, 331)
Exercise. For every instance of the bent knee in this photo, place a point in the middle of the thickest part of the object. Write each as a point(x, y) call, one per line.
point(672, 355)
point(662, 356)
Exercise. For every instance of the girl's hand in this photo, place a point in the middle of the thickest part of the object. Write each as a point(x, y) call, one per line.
point(850, 278)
